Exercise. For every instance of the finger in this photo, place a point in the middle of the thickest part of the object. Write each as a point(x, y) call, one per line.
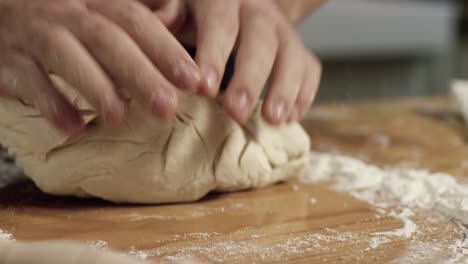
point(154, 39)
point(58, 51)
point(286, 80)
point(308, 90)
point(255, 57)
point(154, 4)
point(173, 15)
point(125, 63)
point(217, 25)
point(23, 78)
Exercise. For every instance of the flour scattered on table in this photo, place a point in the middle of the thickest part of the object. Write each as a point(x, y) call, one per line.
point(295, 187)
point(257, 248)
point(251, 245)
point(261, 248)
point(383, 188)
point(312, 200)
point(6, 236)
point(407, 195)
point(409, 187)
point(139, 254)
point(381, 139)
point(375, 242)
point(195, 212)
point(98, 244)
point(179, 260)
point(408, 228)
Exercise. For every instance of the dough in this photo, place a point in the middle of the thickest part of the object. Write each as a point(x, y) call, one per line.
point(147, 161)
point(58, 252)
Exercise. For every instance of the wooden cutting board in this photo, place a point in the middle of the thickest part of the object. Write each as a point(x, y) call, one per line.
point(285, 223)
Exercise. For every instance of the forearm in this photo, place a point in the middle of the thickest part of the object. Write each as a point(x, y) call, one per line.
point(296, 10)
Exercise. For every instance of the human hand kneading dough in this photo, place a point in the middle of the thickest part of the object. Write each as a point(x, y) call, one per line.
point(99, 47)
point(102, 48)
point(266, 44)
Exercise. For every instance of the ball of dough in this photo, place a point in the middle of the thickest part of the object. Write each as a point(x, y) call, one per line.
point(150, 161)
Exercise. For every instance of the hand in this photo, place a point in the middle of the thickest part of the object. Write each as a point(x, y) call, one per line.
point(297, 10)
point(267, 47)
point(99, 47)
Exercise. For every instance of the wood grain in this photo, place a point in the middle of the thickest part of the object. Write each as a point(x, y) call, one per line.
point(278, 224)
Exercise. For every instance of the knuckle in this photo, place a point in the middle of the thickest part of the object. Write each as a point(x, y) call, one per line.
point(254, 5)
point(46, 37)
point(257, 13)
point(96, 32)
point(57, 9)
point(288, 36)
point(227, 20)
point(130, 13)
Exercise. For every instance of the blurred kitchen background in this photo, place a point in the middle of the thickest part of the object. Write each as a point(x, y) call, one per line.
point(388, 48)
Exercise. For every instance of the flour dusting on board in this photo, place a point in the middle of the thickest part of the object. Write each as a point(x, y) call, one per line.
point(141, 255)
point(408, 228)
point(405, 194)
point(6, 236)
point(260, 247)
point(418, 199)
point(100, 244)
point(408, 187)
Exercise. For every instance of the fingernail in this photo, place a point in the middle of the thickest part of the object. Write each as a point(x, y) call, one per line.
point(188, 75)
point(69, 122)
point(163, 104)
point(241, 101)
point(238, 105)
point(212, 82)
point(73, 123)
point(278, 111)
point(112, 110)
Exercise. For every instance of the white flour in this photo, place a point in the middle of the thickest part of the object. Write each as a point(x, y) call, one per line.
point(191, 214)
point(408, 229)
point(6, 236)
point(141, 255)
point(392, 192)
point(416, 188)
point(100, 244)
point(408, 187)
point(254, 246)
point(312, 200)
